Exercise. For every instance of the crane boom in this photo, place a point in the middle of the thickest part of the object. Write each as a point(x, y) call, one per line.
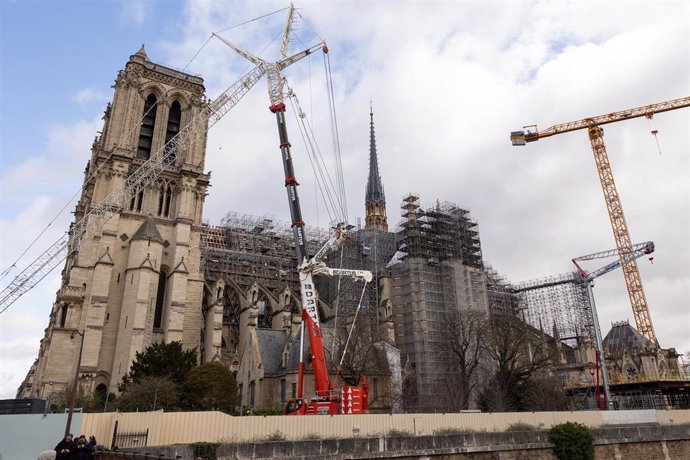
point(94, 220)
point(587, 279)
point(528, 135)
point(325, 401)
point(631, 273)
point(636, 252)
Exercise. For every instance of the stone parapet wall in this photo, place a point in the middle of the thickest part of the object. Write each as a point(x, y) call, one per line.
point(630, 443)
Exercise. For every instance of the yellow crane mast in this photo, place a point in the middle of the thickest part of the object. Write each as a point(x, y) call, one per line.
point(608, 185)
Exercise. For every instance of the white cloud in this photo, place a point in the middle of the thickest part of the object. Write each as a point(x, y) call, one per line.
point(33, 192)
point(134, 11)
point(88, 95)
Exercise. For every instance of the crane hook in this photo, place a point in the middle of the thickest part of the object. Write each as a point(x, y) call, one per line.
point(654, 133)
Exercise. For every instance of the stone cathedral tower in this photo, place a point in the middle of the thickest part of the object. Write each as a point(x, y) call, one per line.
point(138, 280)
point(375, 197)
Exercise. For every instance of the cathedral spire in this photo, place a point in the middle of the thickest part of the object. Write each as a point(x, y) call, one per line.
point(374, 185)
point(375, 196)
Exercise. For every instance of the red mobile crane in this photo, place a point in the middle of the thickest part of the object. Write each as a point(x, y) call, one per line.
point(327, 399)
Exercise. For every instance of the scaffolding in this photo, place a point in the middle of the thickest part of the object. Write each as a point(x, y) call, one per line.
point(559, 303)
point(248, 249)
point(363, 250)
point(438, 269)
point(442, 232)
point(501, 293)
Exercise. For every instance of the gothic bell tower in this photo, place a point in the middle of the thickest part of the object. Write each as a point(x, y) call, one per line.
point(137, 280)
point(375, 200)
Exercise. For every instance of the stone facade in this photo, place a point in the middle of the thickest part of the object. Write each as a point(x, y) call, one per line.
point(137, 280)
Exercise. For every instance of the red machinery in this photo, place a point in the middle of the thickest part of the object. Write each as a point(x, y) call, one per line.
point(327, 399)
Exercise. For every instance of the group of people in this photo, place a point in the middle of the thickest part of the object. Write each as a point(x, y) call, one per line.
point(79, 449)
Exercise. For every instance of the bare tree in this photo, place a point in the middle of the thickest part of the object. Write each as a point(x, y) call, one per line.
point(544, 392)
point(518, 352)
point(355, 353)
point(463, 350)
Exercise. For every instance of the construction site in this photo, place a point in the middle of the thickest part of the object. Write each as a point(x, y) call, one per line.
point(279, 303)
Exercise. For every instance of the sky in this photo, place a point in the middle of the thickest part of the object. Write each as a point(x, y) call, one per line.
point(449, 81)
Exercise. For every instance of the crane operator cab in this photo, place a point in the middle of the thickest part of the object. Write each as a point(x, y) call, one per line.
point(294, 407)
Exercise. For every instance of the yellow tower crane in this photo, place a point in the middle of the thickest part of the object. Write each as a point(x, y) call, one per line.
point(613, 204)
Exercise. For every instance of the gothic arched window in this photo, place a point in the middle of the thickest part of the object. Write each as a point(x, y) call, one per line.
point(164, 199)
point(174, 118)
point(265, 320)
point(231, 306)
point(137, 201)
point(160, 298)
point(63, 315)
point(148, 122)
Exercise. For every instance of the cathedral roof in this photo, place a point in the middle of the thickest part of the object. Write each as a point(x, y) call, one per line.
point(148, 231)
point(293, 358)
point(623, 336)
point(271, 345)
point(374, 184)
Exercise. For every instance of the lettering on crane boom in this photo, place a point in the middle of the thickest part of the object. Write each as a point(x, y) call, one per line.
point(309, 301)
point(346, 272)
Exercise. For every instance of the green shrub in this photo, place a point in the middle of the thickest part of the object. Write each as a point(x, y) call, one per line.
point(572, 441)
point(520, 426)
point(447, 431)
point(205, 450)
point(268, 411)
point(275, 436)
point(398, 433)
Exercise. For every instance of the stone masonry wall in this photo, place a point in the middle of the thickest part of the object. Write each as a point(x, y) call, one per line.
point(625, 443)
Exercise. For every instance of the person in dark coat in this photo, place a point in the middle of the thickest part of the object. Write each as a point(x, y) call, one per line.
point(83, 449)
point(65, 448)
point(93, 446)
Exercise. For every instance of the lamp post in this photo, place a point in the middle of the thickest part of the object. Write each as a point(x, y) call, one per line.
point(76, 383)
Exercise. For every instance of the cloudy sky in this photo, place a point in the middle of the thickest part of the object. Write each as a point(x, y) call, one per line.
point(449, 81)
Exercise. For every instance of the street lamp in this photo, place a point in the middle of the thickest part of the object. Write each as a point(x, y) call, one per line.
point(75, 384)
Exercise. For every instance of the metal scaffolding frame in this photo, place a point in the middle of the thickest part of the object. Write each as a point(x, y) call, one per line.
point(560, 302)
point(501, 293)
point(246, 248)
point(438, 269)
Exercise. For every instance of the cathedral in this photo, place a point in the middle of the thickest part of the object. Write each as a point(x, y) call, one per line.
point(138, 280)
point(154, 273)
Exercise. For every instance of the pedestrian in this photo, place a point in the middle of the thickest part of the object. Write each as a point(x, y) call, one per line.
point(65, 448)
point(82, 449)
point(93, 446)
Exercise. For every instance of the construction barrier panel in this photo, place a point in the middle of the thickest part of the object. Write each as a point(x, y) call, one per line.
point(163, 428)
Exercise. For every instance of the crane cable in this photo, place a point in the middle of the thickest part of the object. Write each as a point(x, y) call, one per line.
point(340, 180)
point(323, 178)
point(337, 299)
point(349, 335)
